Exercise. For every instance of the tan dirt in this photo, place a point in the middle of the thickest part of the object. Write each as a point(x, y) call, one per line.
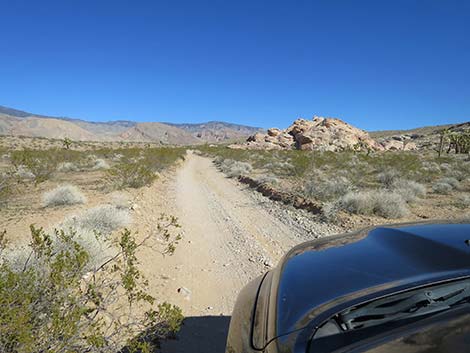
point(228, 240)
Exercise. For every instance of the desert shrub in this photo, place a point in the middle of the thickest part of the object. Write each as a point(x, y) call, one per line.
point(53, 303)
point(441, 188)
point(382, 203)
point(457, 175)
point(451, 181)
point(120, 201)
point(463, 201)
point(280, 168)
point(42, 164)
point(445, 185)
point(237, 169)
point(388, 177)
point(24, 173)
point(102, 219)
point(267, 179)
point(138, 166)
point(63, 195)
point(328, 189)
point(409, 190)
point(67, 167)
point(7, 184)
point(131, 175)
point(101, 164)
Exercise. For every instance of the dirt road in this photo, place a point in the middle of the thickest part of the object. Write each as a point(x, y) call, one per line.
point(229, 239)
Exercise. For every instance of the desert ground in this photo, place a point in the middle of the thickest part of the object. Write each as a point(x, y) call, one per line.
point(230, 232)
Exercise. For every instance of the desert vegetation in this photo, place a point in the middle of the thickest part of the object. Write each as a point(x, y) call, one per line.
point(390, 185)
point(74, 284)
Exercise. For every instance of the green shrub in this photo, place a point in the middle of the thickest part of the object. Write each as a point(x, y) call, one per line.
point(52, 303)
point(42, 164)
point(130, 175)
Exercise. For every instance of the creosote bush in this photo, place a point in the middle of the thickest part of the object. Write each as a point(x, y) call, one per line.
point(138, 167)
point(63, 195)
point(53, 302)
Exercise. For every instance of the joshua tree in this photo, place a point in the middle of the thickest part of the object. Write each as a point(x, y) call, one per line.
point(67, 143)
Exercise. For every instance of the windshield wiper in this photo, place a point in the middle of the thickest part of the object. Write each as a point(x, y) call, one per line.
point(407, 305)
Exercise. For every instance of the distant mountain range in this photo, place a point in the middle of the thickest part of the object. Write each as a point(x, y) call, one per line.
point(20, 123)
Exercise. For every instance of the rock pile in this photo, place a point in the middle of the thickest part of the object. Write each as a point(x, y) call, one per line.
point(324, 134)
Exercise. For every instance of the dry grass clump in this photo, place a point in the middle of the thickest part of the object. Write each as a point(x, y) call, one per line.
point(328, 189)
point(381, 203)
point(63, 195)
point(102, 219)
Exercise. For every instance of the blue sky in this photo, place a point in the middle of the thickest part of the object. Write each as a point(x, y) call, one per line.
point(376, 64)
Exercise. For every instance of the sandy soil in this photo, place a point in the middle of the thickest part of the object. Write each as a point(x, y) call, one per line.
point(229, 239)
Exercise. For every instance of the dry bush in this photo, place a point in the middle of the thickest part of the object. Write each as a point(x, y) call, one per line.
point(463, 201)
point(451, 181)
point(101, 164)
point(388, 177)
point(328, 189)
point(445, 185)
point(267, 179)
point(66, 167)
point(235, 169)
point(382, 203)
point(120, 201)
point(102, 219)
point(408, 189)
point(63, 195)
point(441, 188)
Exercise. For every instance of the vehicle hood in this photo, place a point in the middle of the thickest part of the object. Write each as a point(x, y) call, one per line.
point(317, 277)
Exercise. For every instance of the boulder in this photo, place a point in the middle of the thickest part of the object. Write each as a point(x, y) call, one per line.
point(325, 134)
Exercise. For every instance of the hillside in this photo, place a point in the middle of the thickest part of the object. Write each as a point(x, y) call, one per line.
point(218, 131)
point(158, 132)
point(21, 123)
point(421, 137)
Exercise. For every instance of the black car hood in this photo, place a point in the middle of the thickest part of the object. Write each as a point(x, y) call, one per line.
point(319, 276)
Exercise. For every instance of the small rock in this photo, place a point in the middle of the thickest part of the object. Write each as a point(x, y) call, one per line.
point(185, 292)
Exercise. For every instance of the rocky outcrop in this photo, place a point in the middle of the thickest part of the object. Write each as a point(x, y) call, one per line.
point(324, 134)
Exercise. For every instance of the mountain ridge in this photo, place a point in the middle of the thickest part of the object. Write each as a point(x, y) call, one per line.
point(18, 122)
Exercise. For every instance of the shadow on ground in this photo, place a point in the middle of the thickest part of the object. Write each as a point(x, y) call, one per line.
point(200, 334)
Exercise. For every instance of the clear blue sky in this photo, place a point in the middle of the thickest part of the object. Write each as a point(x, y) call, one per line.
point(377, 64)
